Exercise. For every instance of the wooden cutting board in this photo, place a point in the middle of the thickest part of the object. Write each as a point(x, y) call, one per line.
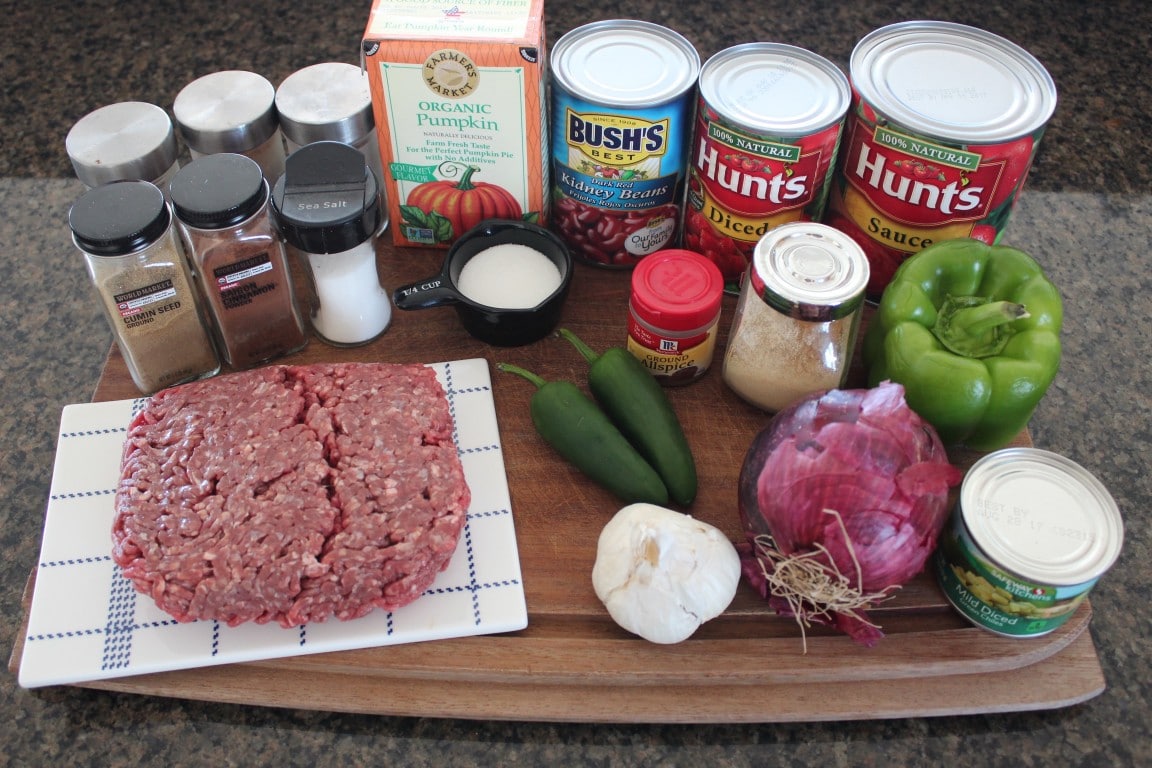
point(573, 663)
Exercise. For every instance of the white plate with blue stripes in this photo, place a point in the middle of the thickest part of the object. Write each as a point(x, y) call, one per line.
point(87, 622)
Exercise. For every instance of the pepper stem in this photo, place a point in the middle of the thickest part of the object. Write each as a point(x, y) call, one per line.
point(581, 347)
point(509, 368)
point(974, 326)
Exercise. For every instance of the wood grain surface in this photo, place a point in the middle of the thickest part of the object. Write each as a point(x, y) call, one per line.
point(572, 662)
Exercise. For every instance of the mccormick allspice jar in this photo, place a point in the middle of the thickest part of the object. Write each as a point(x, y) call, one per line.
point(796, 321)
point(221, 202)
point(673, 314)
point(138, 267)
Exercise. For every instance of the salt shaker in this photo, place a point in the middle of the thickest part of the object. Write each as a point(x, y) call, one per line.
point(327, 207)
point(330, 101)
point(137, 265)
point(795, 325)
point(221, 202)
point(129, 140)
point(232, 111)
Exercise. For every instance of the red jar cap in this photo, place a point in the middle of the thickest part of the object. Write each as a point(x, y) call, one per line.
point(676, 290)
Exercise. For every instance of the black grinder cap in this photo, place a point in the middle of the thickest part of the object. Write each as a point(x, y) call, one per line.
point(328, 199)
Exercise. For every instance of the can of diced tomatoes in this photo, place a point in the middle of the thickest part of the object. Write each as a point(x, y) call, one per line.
point(623, 92)
point(944, 125)
point(767, 130)
point(1031, 534)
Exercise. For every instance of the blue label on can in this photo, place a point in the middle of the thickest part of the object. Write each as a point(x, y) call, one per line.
point(618, 176)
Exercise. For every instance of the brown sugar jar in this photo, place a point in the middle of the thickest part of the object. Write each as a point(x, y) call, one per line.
point(221, 202)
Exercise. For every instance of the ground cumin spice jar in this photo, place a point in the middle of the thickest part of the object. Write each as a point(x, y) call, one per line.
point(137, 265)
point(795, 324)
point(221, 202)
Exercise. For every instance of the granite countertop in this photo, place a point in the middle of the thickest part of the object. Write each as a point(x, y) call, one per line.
point(1086, 214)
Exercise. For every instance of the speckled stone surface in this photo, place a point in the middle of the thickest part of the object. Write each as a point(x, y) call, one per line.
point(1087, 215)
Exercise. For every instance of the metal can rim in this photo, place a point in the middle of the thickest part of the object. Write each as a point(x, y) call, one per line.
point(576, 81)
point(1030, 548)
point(817, 71)
point(879, 55)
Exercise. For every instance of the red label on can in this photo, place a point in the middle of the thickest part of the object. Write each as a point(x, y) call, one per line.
point(741, 185)
point(896, 192)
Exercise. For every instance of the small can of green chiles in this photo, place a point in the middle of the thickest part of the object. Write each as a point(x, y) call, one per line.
point(1031, 534)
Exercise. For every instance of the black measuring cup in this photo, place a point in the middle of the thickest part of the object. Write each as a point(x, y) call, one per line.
point(499, 326)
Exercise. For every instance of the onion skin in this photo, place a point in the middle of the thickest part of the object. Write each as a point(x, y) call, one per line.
point(864, 454)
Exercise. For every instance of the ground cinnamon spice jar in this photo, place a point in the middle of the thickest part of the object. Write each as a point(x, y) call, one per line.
point(221, 202)
point(795, 324)
point(137, 265)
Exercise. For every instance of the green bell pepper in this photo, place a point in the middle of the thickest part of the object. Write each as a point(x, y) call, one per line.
point(972, 332)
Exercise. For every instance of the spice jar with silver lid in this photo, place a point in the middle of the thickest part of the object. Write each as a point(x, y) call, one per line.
point(221, 202)
point(124, 230)
point(130, 140)
point(327, 207)
point(232, 111)
point(330, 101)
point(795, 325)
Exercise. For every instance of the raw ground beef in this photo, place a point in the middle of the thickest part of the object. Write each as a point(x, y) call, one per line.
point(291, 493)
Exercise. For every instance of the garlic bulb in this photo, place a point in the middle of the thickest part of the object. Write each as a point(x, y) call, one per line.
point(661, 573)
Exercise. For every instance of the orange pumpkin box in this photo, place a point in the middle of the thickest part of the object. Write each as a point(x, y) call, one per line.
point(458, 96)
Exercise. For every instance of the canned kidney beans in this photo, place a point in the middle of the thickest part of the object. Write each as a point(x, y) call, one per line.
point(622, 101)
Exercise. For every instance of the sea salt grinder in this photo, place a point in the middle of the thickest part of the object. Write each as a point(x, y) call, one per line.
point(327, 207)
point(330, 101)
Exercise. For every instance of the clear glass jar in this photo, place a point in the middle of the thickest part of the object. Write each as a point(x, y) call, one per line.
point(795, 325)
point(221, 202)
point(331, 101)
point(130, 140)
point(232, 111)
point(327, 207)
point(139, 271)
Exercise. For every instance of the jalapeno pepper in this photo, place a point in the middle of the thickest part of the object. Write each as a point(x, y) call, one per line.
point(637, 405)
point(574, 425)
point(972, 332)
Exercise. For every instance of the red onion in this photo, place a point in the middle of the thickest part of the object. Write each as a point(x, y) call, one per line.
point(851, 484)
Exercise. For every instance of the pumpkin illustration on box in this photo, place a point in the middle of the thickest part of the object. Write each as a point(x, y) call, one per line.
point(457, 201)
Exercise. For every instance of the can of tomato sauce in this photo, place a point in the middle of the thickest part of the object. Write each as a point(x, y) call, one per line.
point(623, 92)
point(944, 125)
point(1031, 534)
point(764, 146)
